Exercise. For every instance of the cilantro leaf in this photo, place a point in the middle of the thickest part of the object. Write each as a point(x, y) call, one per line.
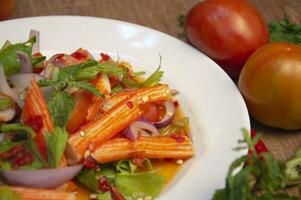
point(86, 86)
point(7, 194)
point(37, 60)
point(60, 106)
point(56, 142)
point(91, 72)
point(153, 79)
point(285, 31)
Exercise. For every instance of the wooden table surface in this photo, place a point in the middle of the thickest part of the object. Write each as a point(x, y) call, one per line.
point(162, 15)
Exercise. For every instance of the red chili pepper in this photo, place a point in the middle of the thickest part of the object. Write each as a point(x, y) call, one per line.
point(105, 57)
point(89, 163)
point(79, 55)
point(177, 137)
point(115, 194)
point(260, 146)
point(103, 184)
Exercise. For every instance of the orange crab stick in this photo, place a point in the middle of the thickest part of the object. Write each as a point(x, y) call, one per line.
point(102, 84)
point(102, 129)
point(144, 95)
point(35, 113)
point(42, 194)
point(148, 147)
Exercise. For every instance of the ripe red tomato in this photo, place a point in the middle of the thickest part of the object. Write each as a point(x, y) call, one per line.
point(270, 82)
point(228, 31)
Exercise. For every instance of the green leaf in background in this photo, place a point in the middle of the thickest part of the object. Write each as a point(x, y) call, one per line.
point(56, 142)
point(285, 31)
point(60, 106)
point(134, 186)
point(7, 194)
point(9, 59)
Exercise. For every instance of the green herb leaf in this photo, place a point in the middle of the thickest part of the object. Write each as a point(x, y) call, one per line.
point(9, 59)
point(60, 106)
point(56, 142)
point(87, 177)
point(7, 194)
point(7, 144)
point(6, 102)
point(134, 186)
point(37, 60)
point(91, 72)
point(153, 79)
point(86, 86)
point(175, 126)
point(284, 31)
point(117, 89)
point(126, 167)
point(181, 20)
point(104, 196)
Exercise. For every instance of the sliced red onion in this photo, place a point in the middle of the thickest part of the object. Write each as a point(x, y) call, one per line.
point(174, 92)
point(106, 82)
point(7, 114)
point(21, 81)
point(6, 89)
point(140, 127)
point(36, 46)
point(170, 111)
point(41, 178)
point(26, 66)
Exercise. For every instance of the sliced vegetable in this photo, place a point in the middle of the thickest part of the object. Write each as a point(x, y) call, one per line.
point(175, 126)
point(148, 147)
point(21, 81)
point(9, 58)
point(41, 178)
point(138, 128)
point(170, 112)
point(35, 34)
point(152, 80)
point(7, 193)
point(43, 194)
point(25, 62)
point(139, 185)
point(60, 106)
point(5, 102)
point(103, 129)
point(56, 142)
point(5, 88)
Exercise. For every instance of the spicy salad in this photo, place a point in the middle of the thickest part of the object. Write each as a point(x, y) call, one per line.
point(72, 121)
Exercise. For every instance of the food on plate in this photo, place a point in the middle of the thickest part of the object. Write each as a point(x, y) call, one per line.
point(228, 31)
point(76, 127)
point(271, 85)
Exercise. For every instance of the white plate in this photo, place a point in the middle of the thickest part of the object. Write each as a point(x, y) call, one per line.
point(208, 96)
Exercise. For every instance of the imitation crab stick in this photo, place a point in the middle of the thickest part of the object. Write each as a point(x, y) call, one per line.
point(42, 194)
point(36, 114)
point(148, 147)
point(102, 84)
point(102, 129)
point(144, 95)
point(35, 105)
